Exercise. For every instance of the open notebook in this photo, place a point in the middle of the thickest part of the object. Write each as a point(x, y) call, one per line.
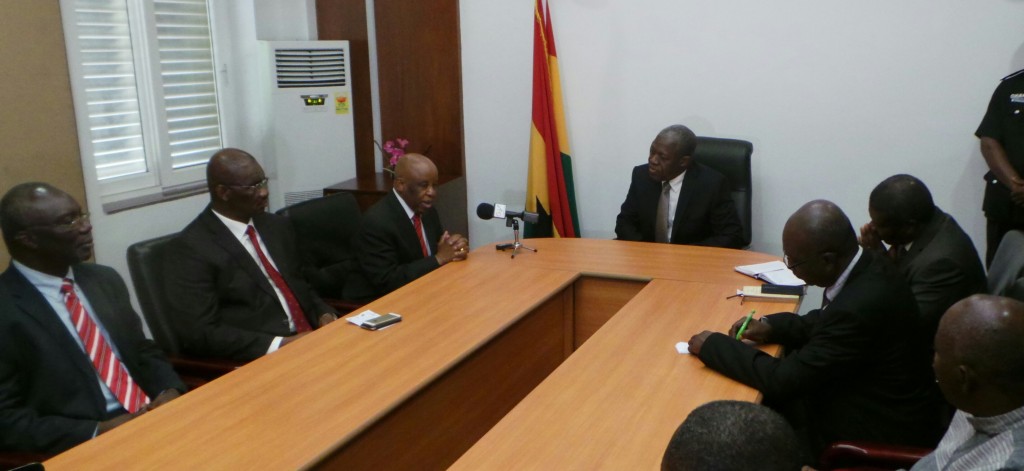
point(775, 273)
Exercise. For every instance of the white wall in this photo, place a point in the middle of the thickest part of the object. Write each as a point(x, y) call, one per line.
point(835, 96)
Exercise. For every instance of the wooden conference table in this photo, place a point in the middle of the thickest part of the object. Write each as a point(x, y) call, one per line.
point(478, 337)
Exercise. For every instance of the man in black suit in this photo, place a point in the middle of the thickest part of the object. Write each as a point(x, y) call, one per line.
point(854, 370)
point(402, 237)
point(935, 255)
point(674, 199)
point(234, 280)
point(52, 397)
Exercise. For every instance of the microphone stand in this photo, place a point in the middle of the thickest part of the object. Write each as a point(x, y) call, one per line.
point(515, 246)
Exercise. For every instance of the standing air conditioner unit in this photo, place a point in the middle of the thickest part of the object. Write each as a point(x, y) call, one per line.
point(308, 115)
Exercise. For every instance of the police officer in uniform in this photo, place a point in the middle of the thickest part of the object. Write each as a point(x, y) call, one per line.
point(1002, 144)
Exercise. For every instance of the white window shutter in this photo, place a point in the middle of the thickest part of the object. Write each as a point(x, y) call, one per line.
point(185, 51)
point(110, 88)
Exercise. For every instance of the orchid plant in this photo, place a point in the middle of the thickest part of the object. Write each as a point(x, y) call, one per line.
point(396, 149)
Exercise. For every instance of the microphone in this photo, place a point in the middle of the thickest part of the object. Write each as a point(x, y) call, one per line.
point(487, 211)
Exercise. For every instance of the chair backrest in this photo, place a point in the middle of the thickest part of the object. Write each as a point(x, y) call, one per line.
point(1005, 273)
point(325, 228)
point(731, 157)
point(146, 263)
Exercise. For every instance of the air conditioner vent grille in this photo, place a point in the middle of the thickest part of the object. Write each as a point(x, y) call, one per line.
point(309, 68)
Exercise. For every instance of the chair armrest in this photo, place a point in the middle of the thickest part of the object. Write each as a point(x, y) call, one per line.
point(13, 459)
point(856, 453)
point(343, 306)
point(206, 369)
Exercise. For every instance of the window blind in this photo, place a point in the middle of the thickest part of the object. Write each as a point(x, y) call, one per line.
point(186, 69)
point(108, 71)
point(113, 35)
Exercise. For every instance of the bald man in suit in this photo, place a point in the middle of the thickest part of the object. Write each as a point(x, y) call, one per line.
point(54, 391)
point(234, 278)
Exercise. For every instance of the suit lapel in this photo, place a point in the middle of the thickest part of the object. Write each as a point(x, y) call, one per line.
point(32, 304)
point(102, 308)
point(239, 256)
point(406, 231)
point(938, 219)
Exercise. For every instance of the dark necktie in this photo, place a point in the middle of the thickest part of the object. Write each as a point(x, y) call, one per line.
point(294, 309)
point(417, 223)
point(106, 363)
point(661, 217)
point(896, 252)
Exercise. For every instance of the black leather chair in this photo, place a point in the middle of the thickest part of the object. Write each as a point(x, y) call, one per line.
point(325, 228)
point(13, 460)
point(1006, 275)
point(145, 262)
point(865, 456)
point(731, 157)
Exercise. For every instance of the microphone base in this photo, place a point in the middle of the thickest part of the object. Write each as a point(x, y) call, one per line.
point(516, 245)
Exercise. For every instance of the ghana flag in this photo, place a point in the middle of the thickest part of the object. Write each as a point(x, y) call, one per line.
point(549, 188)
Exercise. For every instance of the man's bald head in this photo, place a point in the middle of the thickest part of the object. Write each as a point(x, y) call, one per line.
point(979, 359)
point(819, 241)
point(45, 228)
point(416, 181)
point(237, 184)
point(228, 167)
point(411, 165)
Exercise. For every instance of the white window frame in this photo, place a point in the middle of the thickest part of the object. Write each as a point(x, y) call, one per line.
point(160, 182)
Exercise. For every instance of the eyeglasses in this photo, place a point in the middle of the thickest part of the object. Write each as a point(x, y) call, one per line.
point(254, 187)
point(789, 265)
point(72, 224)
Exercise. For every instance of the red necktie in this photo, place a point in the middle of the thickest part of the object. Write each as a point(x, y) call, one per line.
point(294, 309)
point(418, 224)
point(110, 369)
point(896, 252)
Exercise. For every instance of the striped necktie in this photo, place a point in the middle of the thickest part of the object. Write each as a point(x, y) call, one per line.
point(106, 363)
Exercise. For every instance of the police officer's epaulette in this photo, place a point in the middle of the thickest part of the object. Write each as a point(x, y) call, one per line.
point(1019, 72)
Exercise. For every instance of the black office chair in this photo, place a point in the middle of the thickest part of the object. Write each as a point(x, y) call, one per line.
point(12, 460)
point(865, 456)
point(145, 263)
point(1006, 275)
point(731, 157)
point(325, 228)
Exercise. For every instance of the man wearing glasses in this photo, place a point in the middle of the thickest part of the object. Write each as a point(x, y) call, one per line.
point(234, 280)
point(74, 362)
point(857, 368)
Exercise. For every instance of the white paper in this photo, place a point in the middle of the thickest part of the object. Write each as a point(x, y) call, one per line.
point(364, 316)
point(683, 348)
point(757, 269)
point(775, 273)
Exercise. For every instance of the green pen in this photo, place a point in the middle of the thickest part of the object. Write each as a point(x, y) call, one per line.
point(739, 333)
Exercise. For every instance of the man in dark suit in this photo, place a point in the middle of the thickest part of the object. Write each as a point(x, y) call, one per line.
point(935, 255)
point(234, 280)
point(54, 392)
point(854, 371)
point(402, 237)
point(674, 199)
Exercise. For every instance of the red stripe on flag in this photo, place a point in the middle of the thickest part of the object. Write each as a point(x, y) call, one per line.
point(543, 120)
